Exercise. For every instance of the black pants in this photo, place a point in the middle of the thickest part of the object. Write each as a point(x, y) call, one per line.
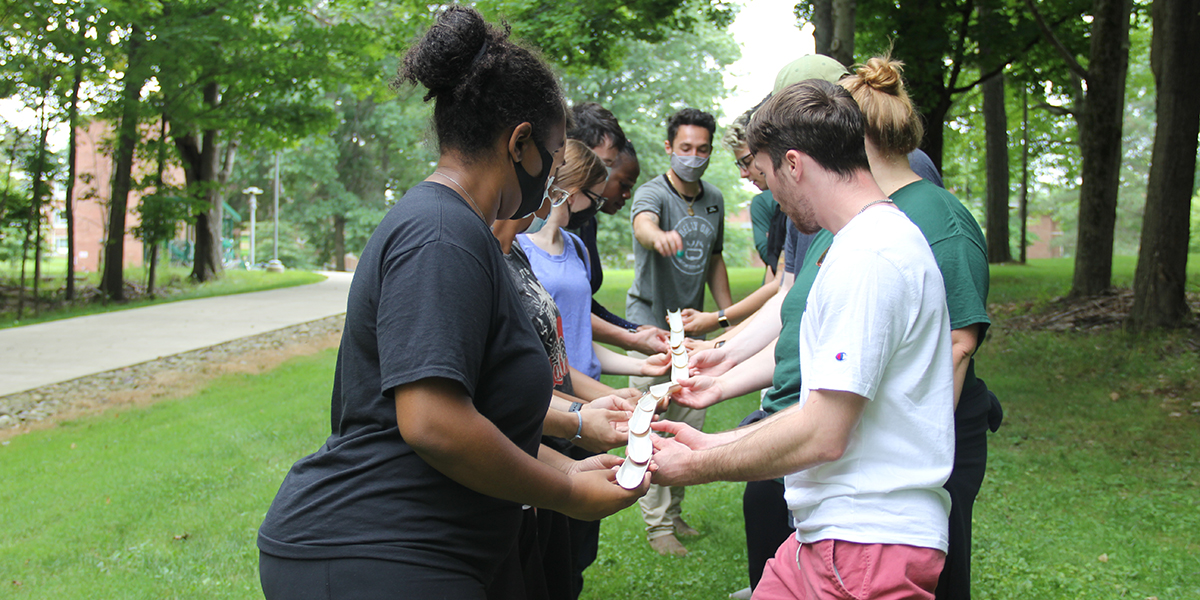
point(978, 411)
point(539, 566)
point(360, 579)
point(766, 516)
point(585, 538)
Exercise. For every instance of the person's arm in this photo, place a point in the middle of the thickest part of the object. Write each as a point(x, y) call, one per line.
point(696, 322)
point(613, 363)
point(438, 420)
point(963, 342)
point(607, 315)
point(747, 376)
point(718, 282)
point(601, 425)
point(817, 433)
point(647, 232)
point(747, 339)
point(646, 339)
point(587, 388)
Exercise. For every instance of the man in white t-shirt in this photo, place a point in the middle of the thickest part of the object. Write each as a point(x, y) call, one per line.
point(868, 447)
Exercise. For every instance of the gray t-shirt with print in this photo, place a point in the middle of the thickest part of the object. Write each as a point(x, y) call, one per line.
point(662, 283)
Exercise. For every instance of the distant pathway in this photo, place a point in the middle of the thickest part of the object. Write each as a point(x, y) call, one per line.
point(33, 356)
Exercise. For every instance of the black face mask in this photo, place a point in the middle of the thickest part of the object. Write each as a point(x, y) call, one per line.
point(579, 219)
point(533, 187)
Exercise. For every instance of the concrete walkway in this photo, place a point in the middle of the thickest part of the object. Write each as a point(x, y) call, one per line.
point(36, 355)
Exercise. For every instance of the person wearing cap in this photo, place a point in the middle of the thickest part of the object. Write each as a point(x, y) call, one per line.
point(679, 225)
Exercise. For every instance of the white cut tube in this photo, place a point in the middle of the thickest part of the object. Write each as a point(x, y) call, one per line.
point(639, 423)
point(675, 320)
point(630, 475)
point(640, 448)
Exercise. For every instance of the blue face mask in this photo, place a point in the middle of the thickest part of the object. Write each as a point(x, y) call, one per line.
point(689, 168)
point(536, 226)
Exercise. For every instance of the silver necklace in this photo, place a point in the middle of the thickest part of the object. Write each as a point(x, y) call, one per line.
point(464, 190)
point(870, 204)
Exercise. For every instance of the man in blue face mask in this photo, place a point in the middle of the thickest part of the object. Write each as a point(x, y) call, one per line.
point(679, 224)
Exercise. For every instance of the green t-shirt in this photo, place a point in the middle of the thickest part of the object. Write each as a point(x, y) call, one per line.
point(960, 250)
point(762, 211)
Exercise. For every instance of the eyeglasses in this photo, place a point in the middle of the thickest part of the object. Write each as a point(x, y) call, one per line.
point(597, 199)
point(557, 195)
point(744, 162)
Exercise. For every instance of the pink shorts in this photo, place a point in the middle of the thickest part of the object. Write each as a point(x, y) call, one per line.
point(838, 569)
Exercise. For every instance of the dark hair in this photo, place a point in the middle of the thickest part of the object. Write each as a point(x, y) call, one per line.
point(691, 116)
point(594, 124)
point(629, 150)
point(817, 118)
point(482, 84)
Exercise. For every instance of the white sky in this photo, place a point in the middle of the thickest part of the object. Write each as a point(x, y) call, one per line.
point(766, 30)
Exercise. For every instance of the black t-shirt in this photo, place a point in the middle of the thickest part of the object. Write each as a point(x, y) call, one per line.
point(431, 297)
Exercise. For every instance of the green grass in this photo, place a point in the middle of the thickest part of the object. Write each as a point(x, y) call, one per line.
point(173, 283)
point(92, 509)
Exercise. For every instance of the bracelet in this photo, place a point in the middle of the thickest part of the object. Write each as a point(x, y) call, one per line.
point(722, 320)
point(719, 343)
point(578, 432)
point(575, 406)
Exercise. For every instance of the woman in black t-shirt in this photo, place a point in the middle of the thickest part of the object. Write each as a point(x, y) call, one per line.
point(441, 382)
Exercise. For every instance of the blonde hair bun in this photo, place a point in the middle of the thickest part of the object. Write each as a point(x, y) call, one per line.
point(883, 73)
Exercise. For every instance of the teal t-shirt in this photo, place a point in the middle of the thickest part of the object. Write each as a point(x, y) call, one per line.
point(762, 211)
point(960, 250)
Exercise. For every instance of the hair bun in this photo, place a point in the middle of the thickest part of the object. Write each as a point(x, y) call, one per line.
point(444, 56)
point(882, 74)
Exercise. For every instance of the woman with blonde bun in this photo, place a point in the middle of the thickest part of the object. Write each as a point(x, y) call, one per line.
point(893, 131)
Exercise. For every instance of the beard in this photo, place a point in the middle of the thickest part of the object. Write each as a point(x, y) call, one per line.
point(800, 211)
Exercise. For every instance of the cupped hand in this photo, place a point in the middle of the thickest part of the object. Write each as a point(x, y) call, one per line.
point(699, 392)
point(603, 429)
point(698, 323)
point(656, 365)
point(712, 363)
point(595, 494)
point(651, 340)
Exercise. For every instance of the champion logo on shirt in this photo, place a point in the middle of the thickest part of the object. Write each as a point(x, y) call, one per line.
point(840, 356)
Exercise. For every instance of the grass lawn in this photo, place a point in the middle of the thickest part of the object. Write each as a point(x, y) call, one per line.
point(173, 285)
point(1092, 488)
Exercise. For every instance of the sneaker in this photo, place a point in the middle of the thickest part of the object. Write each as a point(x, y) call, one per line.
point(682, 529)
point(742, 594)
point(668, 545)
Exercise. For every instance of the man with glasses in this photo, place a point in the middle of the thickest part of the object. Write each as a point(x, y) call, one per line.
point(679, 224)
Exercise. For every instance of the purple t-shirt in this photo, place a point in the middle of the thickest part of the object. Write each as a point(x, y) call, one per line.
point(565, 276)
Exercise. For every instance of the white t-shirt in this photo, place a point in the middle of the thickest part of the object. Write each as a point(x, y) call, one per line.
point(876, 324)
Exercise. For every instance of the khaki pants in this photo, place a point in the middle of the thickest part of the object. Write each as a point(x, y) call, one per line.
point(662, 505)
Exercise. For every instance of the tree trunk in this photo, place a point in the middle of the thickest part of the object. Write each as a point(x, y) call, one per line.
point(995, 120)
point(35, 212)
point(823, 26)
point(1100, 147)
point(1024, 171)
point(1159, 298)
point(842, 47)
point(339, 242)
point(206, 260)
point(73, 122)
point(112, 282)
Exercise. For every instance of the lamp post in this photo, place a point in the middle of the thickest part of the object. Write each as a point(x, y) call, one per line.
point(274, 265)
point(253, 192)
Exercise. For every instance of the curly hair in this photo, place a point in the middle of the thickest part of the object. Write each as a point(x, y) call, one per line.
point(482, 83)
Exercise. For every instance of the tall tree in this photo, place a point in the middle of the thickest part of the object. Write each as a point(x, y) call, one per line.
point(995, 118)
point(833, 26)
point(1159, 283)
point(1100, 117)
point(112, 280)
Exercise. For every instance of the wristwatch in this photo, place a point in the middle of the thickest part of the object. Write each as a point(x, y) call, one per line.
point(722, 319)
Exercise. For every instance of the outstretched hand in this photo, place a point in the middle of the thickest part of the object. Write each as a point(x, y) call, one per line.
point(712, 363)
point(649, 340)
point(595, 493)
point(673, 459)
point(699, 392)
point(657, 365)
point(604, 429)
point(698, 323)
